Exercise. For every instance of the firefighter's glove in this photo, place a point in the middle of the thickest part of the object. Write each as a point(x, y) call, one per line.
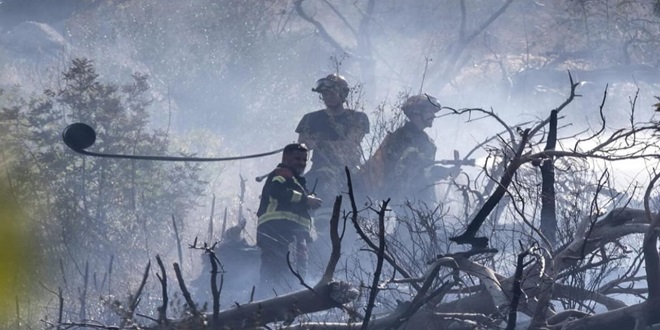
point(312, 201)
point(437, 172)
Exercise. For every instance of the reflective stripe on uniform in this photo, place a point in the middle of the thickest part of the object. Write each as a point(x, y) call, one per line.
point(296, 196)
point(272, 212)
point(285, 215)
point(410, 152)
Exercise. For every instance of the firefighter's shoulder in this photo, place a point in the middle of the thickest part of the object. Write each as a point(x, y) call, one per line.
point(283, 172)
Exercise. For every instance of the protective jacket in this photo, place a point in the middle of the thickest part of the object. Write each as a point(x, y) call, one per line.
point(284, 198)
point(326, 130)
point(399, 168)
point(336, 144)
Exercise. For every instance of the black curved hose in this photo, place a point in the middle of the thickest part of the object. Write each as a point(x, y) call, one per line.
point(81, 136)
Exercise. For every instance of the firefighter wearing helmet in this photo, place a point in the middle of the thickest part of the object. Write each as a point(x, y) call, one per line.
point(403, 167)
point(335, 83)
point(334, 135)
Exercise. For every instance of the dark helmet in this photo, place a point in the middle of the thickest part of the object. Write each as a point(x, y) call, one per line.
point(333, 81)
point(417, 103)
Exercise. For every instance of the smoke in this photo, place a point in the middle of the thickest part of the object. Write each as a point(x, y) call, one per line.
point(231, 77)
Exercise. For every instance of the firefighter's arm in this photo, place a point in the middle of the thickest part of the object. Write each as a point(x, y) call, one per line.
point(312, 201)
point(412, 161)
point(283, 193)
point(437, 172)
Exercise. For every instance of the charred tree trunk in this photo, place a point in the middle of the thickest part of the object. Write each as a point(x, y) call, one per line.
point(548, 209)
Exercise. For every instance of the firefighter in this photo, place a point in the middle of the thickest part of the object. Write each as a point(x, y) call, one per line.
point(334, 134)
point(403, 167)
point(284, 220)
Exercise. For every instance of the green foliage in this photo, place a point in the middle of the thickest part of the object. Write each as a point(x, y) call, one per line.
point(118, 207)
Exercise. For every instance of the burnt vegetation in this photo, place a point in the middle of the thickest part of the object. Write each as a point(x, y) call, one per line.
point(541, 229)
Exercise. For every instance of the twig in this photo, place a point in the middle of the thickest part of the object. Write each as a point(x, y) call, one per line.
point(83, 294)
point(112, 260)
point(215, 262)
point(436, 296)
point(489, 113)
point(364, 236)
point(147, 317)
point(64, 274)
point(561, 107)
point(422, 298)
point(184, 290)
point(215, 291)
point(162, 310)
point(319, 27)
point(343, 19)
point(241, 199)
point(426, 68)
point(468, 237)
point(296, 274)
point(602, 122)
point(459, 47)
point(335, 239)
point(517, 291)
point(210, 231)
point(135, 299)
point(651, 257)
point(178, 240)
point(373, 292)
point(85, 325)
point(224, 224)
point(60, 309)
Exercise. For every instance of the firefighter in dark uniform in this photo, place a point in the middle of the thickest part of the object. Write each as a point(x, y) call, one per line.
point(334, 134)
point(284, 220)
point(403, 167)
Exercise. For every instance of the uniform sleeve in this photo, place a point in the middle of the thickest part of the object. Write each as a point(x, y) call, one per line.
point(403, 156)
point(303, 125)
point(282, 191)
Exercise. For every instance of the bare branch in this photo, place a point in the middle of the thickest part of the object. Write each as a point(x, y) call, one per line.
point(162, 278)
point(468, 237)
point(319, 27)
point(366, 238)
point(548, 208)
point(184, 290)
point(135, 299)
point(651, 257)
point(335, 240)
point(379, 263)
